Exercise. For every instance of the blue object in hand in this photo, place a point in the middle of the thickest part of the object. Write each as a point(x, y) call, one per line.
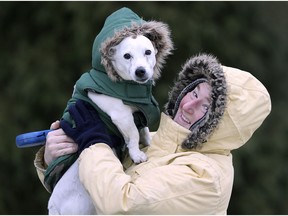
point(32, 139)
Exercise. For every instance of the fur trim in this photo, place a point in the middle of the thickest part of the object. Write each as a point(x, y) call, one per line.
point(158, 32)
point(199, 67)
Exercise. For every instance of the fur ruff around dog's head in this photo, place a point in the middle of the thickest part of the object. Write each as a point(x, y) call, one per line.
point(201, 68)
point(158, 32)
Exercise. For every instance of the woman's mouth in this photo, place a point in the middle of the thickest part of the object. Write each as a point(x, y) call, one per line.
point(186, 120)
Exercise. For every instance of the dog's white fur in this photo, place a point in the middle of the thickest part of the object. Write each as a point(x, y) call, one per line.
point(133, 59)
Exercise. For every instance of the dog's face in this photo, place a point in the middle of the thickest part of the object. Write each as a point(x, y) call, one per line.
point(134, 58)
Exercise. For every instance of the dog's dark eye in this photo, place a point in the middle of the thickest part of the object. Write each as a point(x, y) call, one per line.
point(148, 52)
point(127, 56)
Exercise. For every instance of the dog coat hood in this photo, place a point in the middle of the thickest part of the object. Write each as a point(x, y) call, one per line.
point(124, 23)
point(202, 68)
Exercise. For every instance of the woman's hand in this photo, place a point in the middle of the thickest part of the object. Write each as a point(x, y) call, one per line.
point(89, 128)
point(58, 144)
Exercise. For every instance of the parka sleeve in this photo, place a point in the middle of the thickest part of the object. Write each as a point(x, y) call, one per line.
point(40, 165)
point(174, 188)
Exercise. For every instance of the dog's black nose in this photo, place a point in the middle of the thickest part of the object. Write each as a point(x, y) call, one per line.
point(140, 72)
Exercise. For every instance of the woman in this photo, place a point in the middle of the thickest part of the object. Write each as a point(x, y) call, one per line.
point(189, 168)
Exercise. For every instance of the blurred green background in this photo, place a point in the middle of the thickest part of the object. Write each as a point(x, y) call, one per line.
point(46, 46)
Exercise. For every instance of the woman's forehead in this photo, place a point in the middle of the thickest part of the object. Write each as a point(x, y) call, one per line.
point(205, 90)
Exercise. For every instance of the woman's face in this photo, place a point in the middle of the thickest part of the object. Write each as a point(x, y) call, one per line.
point(194, 105)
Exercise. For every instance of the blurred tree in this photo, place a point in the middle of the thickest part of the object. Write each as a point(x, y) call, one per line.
point(46, 46)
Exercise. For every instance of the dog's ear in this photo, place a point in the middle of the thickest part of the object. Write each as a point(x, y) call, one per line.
point(154, 45)
point(111, 52)
point(156, 51)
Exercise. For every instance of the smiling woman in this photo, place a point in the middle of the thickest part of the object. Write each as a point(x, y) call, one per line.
point(198, 99)
point(194, 105)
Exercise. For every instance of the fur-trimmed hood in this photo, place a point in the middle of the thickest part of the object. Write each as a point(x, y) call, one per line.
point(124, 23)
point(197, 69)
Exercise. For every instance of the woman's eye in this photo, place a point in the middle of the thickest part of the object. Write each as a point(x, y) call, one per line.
point(194, 94)
point(206, 107)
point(127, 56)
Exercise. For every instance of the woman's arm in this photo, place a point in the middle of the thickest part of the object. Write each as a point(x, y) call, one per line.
point(187, 184)
point(57, 144)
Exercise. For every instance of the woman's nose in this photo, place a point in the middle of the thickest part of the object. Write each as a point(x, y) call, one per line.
point(191, 105)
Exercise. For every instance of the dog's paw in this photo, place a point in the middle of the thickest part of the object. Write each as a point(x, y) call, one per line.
point(138, 156)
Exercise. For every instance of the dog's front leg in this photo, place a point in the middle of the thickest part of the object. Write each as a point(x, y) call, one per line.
point(121, 115)
point(125, 124)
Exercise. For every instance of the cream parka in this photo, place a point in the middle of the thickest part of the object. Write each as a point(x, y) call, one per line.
point(173, 180)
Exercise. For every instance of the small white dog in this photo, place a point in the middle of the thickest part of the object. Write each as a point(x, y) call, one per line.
point(134, 58)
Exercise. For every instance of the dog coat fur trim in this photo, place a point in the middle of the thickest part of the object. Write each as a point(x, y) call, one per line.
point(199, 67)
point(124, 23)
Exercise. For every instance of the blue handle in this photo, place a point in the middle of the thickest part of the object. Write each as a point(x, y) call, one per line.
point(32, 139)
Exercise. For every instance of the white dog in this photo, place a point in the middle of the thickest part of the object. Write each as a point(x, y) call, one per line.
point(134, 58)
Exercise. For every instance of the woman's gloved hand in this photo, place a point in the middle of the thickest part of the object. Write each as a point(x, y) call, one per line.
point(89, 128)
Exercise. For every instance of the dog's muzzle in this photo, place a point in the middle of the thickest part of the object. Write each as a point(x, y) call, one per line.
point(141, 75)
